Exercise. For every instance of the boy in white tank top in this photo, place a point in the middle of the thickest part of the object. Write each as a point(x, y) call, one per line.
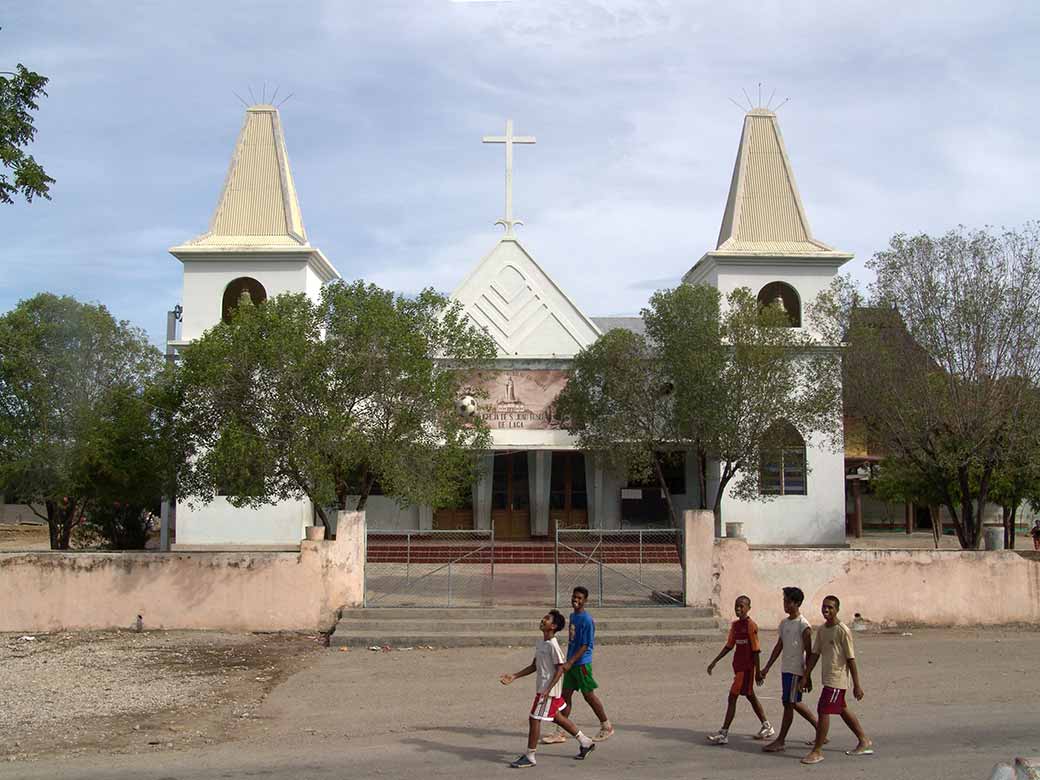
point(793, 646)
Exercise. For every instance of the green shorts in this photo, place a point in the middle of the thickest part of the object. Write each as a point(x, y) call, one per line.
point(579, 678)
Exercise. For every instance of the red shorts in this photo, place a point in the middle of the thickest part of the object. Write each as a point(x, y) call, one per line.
point(547, 707)
point(832, 701)
point(743, 683)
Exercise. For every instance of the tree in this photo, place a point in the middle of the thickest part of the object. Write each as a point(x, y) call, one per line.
point(18, 94)
point(944, 367)
point(702, 379)
point(901, 481)
point(294, 399)
point(70, 376)
point(618, 403)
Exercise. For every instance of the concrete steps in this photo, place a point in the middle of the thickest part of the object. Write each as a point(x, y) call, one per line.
point(473, 627)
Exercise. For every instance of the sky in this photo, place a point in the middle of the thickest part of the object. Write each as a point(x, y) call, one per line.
point(901, 117)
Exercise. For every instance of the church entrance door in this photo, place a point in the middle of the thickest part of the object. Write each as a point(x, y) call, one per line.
point(511, 496)
point(568, 500)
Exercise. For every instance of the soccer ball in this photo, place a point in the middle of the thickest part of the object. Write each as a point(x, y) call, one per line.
point(466, 406)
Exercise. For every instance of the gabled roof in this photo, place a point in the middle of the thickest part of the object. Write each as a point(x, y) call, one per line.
point(519, 305)
point(258, 207)
point(764, 212)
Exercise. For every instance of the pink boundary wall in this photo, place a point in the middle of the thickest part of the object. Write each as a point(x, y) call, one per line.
point(925, 587)
point(235, 591)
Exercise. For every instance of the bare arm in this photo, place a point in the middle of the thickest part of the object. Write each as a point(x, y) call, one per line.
point(722, 654)
point(807, 647)
point(773, 656)
point(857, 689)
point(574, 658)
point(507, 678)
point(809, 666)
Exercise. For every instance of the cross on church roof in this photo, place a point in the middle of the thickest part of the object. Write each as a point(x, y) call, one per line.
point(509, 139)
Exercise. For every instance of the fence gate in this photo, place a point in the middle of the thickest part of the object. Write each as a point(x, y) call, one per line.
point(429, 568)
point(630, 568)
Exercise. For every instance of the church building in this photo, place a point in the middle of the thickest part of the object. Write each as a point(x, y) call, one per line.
point(535, 478)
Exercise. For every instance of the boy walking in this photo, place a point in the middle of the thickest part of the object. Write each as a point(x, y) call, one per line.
point(832, 647)
point(548, 700)
point(743, 638)
point(792, 646)
point(578, 669)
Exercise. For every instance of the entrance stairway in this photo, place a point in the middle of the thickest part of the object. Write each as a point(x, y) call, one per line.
point(512, 626)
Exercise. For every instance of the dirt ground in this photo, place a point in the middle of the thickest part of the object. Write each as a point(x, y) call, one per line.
point(940, 703)
point(121, 691)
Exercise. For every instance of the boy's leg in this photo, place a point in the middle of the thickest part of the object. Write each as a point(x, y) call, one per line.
point(806, 713)
point(822, 726)
point(756, 705)
point(766, 731)
point(785, 725)
point(606, 730)
point(731, 710)
point(558, 736)
point(852, 722)
point(533, 732)
point(585, 744)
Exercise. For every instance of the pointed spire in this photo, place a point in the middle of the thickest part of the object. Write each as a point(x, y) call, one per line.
point(258, 205)
point(764, 212)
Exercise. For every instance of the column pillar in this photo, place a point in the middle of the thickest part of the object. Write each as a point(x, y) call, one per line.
point(539, 470)
point(482, 492)
point(698, 554)
point(908, 511)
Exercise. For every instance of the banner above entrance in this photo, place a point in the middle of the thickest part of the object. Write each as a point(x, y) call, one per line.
point(521, 399)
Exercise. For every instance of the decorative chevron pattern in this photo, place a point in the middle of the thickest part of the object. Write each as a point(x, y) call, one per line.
point(512, 308)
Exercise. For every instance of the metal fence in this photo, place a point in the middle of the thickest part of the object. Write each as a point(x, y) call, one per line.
point(429, 568)
point(630, 568)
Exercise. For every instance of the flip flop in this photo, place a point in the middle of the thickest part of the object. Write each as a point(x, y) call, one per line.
point(771, 749)
point(857, 752)
point(813, 760)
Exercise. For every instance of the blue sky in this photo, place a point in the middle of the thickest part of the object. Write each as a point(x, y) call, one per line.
point(902, 117)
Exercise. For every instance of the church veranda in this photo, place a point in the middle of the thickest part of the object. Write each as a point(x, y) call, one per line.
point(472, 568)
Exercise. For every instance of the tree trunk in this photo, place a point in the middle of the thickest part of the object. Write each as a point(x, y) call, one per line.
point(366, 488)
point(935, 514)
point(702, 477)
point(1009, 516)
point(664, 489)
point(716, 506)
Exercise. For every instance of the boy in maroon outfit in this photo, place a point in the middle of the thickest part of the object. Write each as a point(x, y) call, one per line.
point(743, 638)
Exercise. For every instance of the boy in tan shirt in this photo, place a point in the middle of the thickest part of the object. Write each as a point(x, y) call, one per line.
point(832, 647)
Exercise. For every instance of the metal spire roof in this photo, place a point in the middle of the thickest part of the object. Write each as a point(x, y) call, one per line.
point(764, 212)
point(258, 205)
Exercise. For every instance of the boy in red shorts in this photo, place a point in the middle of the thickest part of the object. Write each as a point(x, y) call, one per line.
point(548, 704)
point(743, 637)
point(832, 647)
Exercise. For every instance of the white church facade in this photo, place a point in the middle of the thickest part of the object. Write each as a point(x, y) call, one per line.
point(535, 478)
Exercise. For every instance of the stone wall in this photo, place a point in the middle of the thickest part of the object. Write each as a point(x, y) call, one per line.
point(928, 587)
point(235, 591)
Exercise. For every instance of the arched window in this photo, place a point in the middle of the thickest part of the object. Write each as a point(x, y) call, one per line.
point(786, 296)
point(243, 285)
point(781, 470)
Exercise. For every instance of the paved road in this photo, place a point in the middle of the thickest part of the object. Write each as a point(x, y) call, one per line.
point(940, 704)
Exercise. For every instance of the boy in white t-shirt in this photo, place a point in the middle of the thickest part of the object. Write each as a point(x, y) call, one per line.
point(548, 704)
point(793, 645)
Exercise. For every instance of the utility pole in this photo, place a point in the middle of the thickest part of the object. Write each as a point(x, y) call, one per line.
point(168, 510)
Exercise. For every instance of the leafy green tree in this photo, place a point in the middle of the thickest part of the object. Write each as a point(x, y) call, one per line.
point(944, 369)
point(291, 399)
point(19, 92)
point(618, 403)
point(898, 480)
point(703, 379)
point(71, 377)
